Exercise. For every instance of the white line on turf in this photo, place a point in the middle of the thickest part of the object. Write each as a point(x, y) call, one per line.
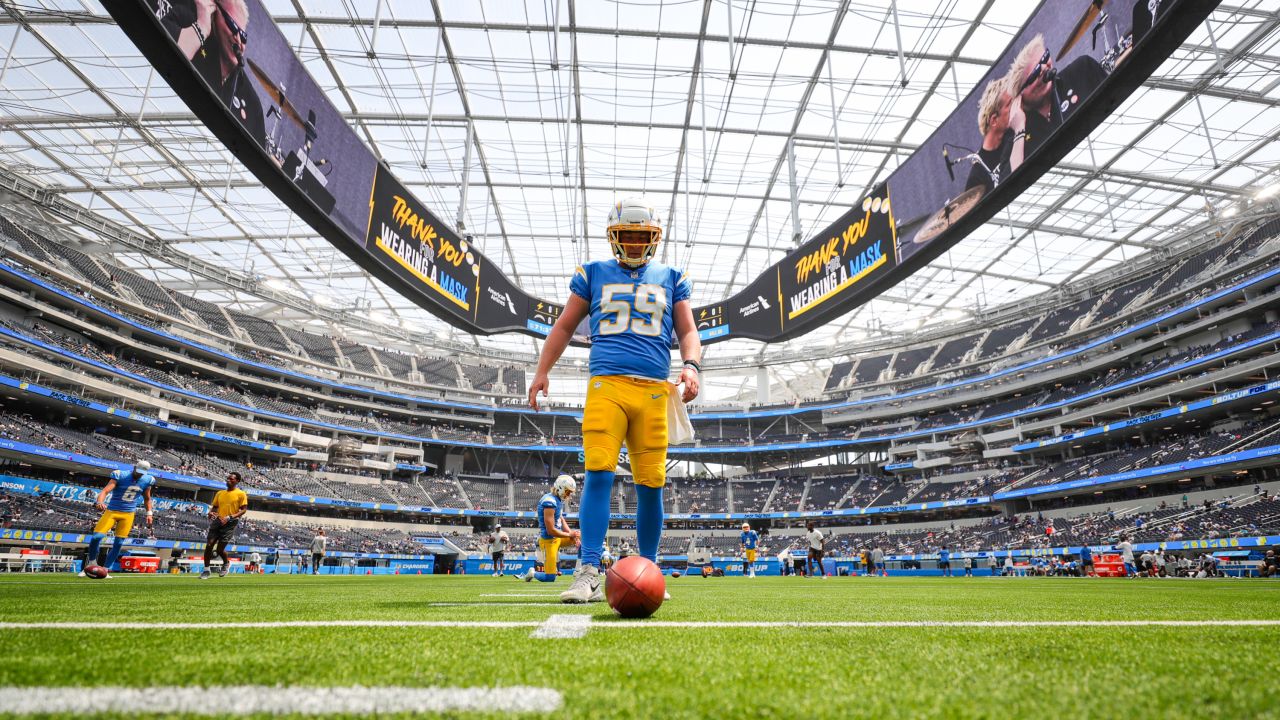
point(269, 625)
point(515, 604)
point(631, 624)
point(516, 594)
point(563, 627)
point(255, 699)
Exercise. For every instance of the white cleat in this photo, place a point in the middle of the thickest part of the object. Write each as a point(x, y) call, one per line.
point(597, 595)
point(586, 582)
point(666, 596)
point(82, 574)
point(527, 576)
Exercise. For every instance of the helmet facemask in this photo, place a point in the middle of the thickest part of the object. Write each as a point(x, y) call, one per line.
point(634, 245)
point(634, 232)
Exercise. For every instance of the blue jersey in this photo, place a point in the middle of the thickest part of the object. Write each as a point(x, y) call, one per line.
point(944, 556)
point(549, 501)
point(1086, 555)
point(749, 539)
point(129, 490)
point(632, 318)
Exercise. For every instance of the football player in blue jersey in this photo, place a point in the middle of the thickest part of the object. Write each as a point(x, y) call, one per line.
point(553, 531)
point(635, 306)
point(125, 488)
point(748, 540)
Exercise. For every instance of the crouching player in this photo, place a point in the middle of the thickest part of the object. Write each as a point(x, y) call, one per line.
point(126, 487)
point(554, 531)
point(635, 307)
point(748, 540)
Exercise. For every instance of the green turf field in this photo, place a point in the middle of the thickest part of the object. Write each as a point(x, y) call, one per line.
point(673, 670)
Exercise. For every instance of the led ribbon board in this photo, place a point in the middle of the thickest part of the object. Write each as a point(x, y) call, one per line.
point(1066, 70)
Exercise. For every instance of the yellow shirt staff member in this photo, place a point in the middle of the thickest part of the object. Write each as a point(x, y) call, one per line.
point(227, 508)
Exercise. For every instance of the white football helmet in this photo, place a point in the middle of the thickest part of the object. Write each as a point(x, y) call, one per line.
point(142, 466)
point(564, 487)
point(746, 527)
point(634, 232)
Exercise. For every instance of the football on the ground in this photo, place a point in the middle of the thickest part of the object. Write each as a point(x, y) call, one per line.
point(97, 572)
point(635, 587)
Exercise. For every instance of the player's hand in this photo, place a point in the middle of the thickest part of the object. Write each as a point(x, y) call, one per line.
point(99, 506)
point(150, 521)
point(223, 520)
point(541, 384)
point(689, 379)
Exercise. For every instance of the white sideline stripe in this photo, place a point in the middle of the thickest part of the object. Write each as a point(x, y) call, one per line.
point(935, 624)
point(516, 604)
point(268, 625)
point(630, 624)
point(516, 594)
point(563, 627)
point(254, 699)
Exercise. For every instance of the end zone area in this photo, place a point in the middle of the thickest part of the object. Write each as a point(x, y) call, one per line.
point(723, 647)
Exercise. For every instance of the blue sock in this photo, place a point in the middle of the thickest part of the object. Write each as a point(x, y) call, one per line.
point(593, 514)
point(116, 548)
point(95, 546)
point(648, 520)
point(545, 577)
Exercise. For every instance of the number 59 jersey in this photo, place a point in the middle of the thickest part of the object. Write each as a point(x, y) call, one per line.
point(631, 317)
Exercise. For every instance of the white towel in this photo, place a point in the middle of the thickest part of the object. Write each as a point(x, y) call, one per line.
point(679, 429)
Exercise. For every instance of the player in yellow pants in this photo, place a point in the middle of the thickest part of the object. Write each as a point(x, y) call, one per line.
point(554, 531)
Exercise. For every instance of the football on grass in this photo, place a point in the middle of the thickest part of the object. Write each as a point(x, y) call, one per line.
point(97, 572)
point(635, 587)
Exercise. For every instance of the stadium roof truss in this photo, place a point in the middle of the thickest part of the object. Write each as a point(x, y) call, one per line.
point(568, 105)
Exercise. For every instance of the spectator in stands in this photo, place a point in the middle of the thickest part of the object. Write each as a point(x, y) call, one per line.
point(318, 545)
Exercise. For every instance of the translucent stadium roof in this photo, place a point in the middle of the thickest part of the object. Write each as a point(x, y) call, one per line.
point(573, 104)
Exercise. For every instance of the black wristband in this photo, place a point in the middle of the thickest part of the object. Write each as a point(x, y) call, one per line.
point(693, 364)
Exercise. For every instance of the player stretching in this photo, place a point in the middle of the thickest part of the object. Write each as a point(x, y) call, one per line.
point(635, 306)
point(125, 487)
point(228, 507)
point(554, 531)
point(748, 540)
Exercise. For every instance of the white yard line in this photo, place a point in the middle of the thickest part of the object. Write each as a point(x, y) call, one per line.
point(630, 624)
point(269, 625)
point(518, 594)
point(254, 699)
point(513, 604)
point(563, 627)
